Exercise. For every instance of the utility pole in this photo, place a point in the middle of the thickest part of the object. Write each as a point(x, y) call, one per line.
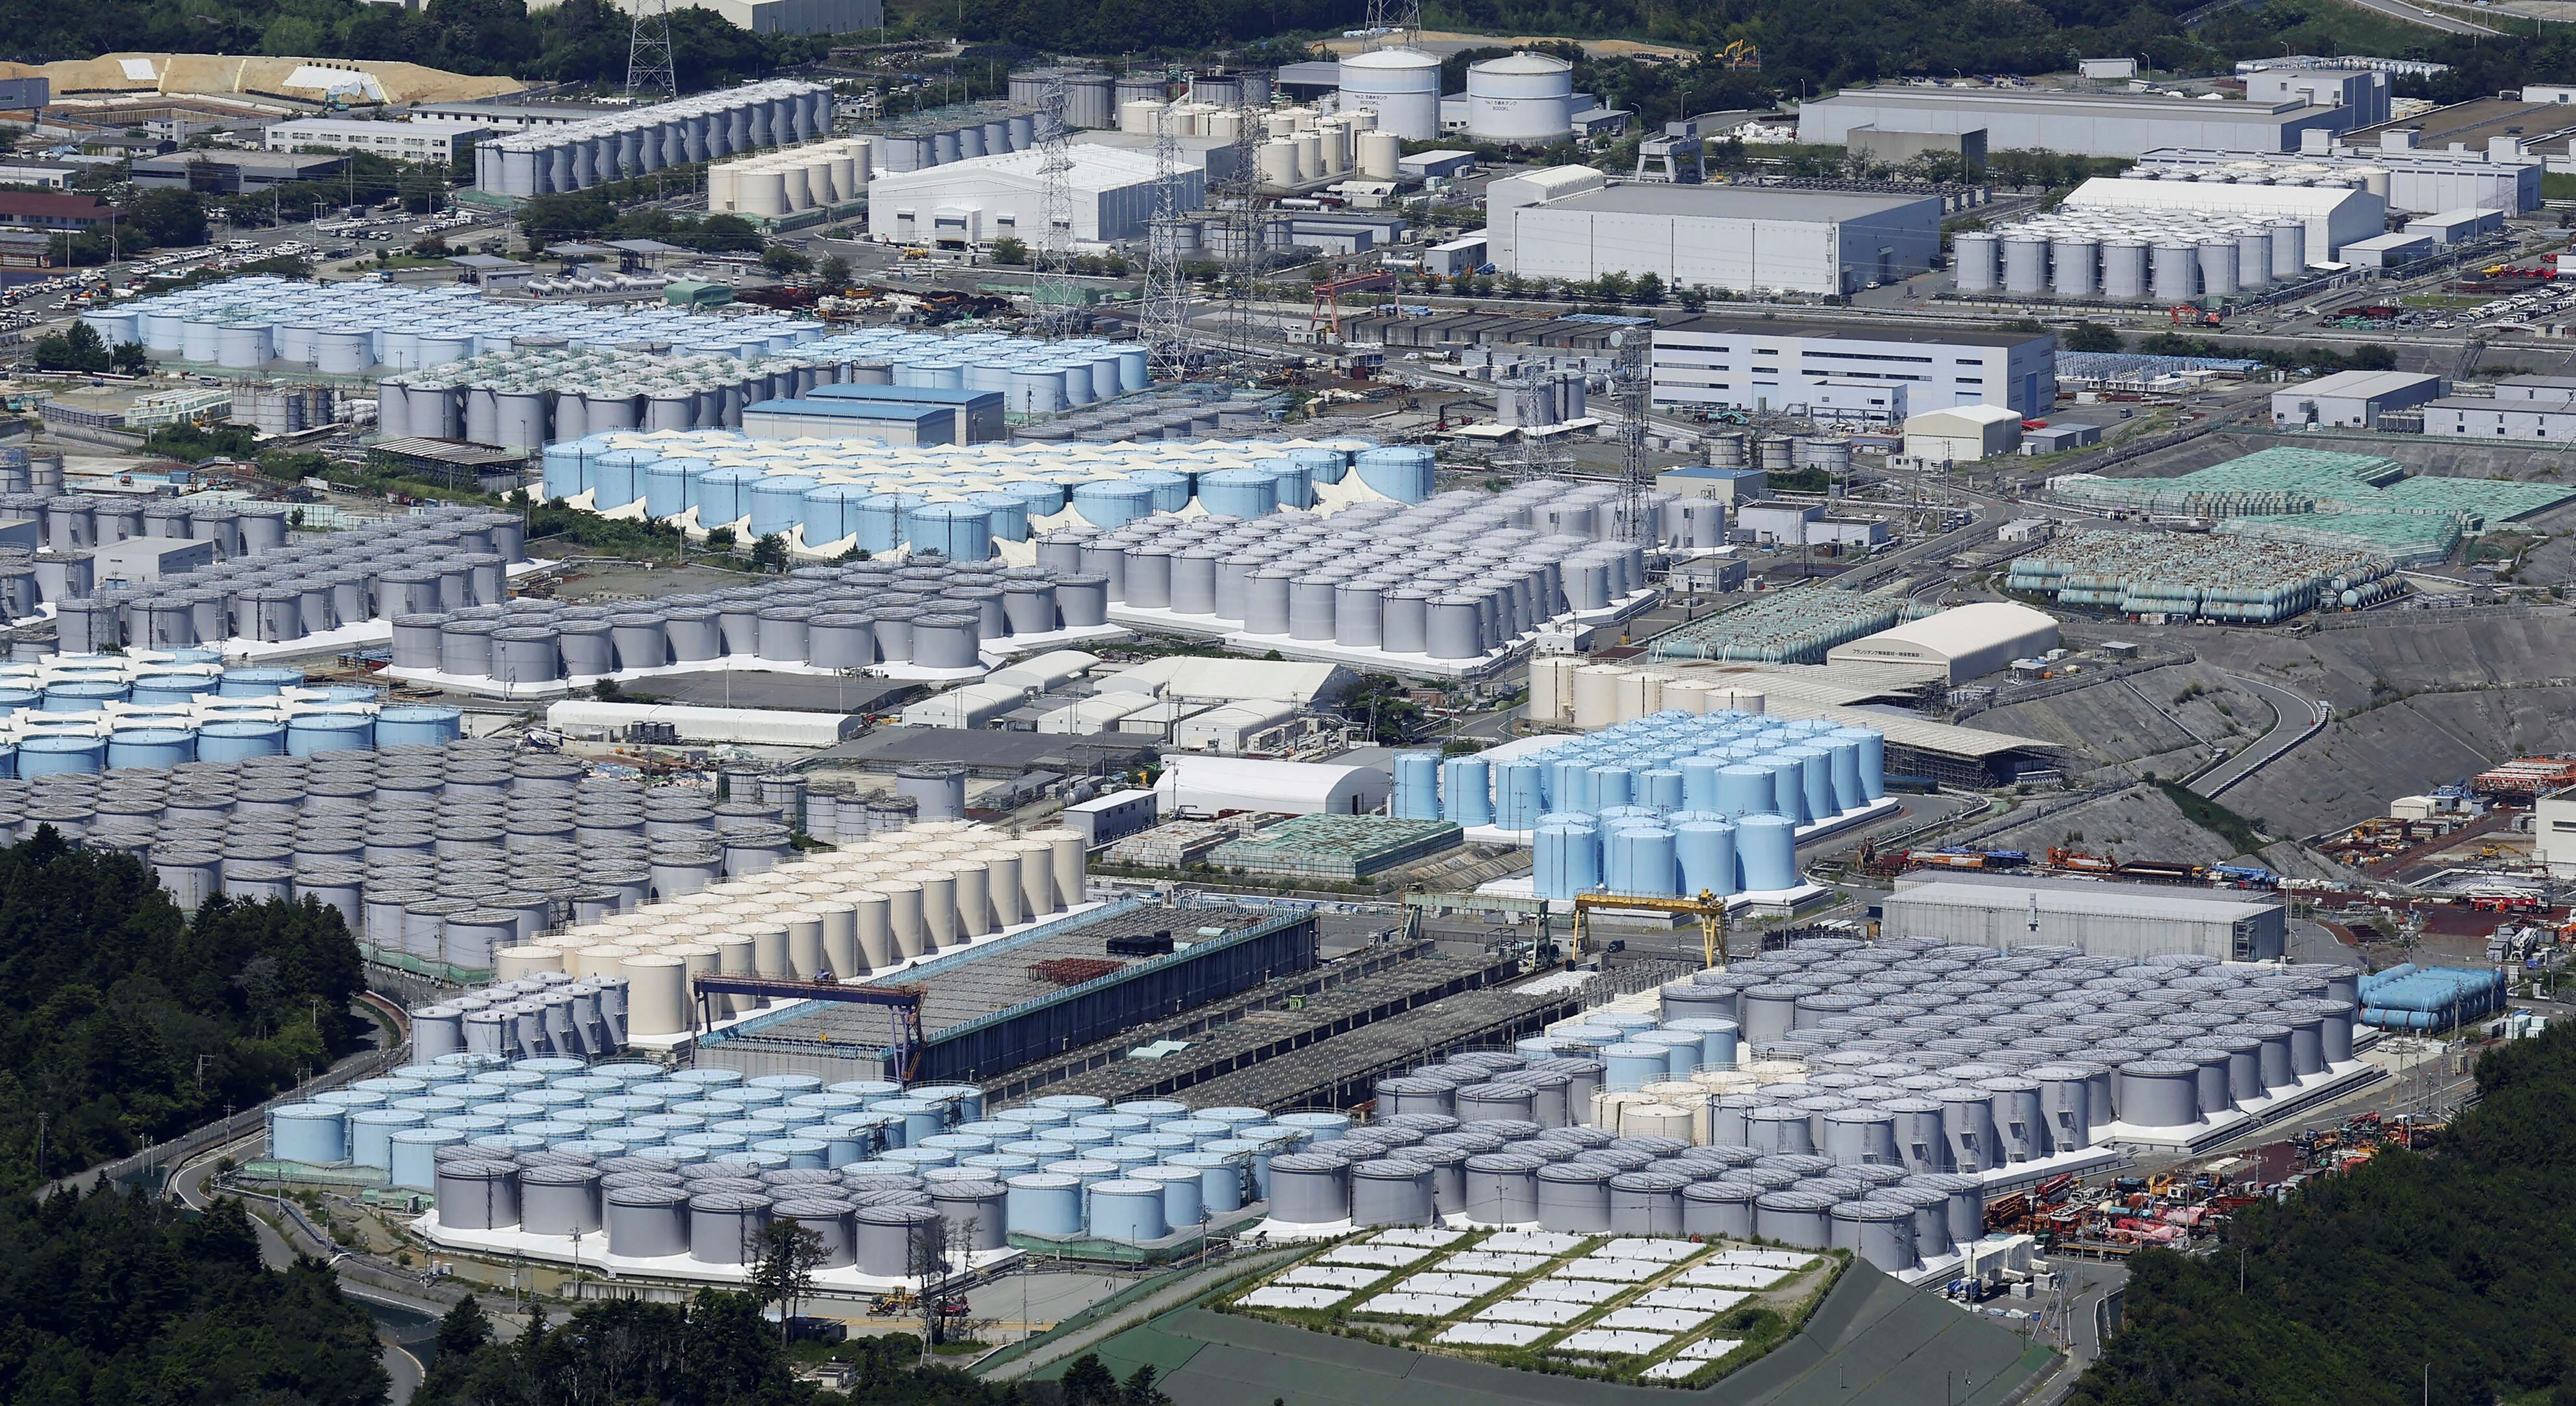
point(648, 52)
point(1050, 283)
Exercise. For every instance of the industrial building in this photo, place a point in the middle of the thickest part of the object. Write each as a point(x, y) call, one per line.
point(2110, 920)
point(546, 160)
point(2080, 124)
point(2553, 833)
point(2136, 240)
point(1963, 434)
point(2364, 92)
point(778, 16)
point(986, 198)
point(2539, 409)
point(503, 115)
point(1214, 785)
point(1967, 642)
point(421, 139)
point(2412, 180)
point(1740, 238)
point(1874, 373)
point(2352, 399)
point(224, 172)
point(2505, 128)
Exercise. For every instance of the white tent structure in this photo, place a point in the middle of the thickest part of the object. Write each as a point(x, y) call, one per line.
point(1212, 784)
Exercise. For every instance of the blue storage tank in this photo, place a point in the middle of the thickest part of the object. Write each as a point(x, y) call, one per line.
point(1417, 787)
point(413, 1153)
point(1320, 465)
point(262, 682)
point(1130, 1212)
point(957, 531)
point(1171, 489)
point(1699, 783)
point(1519, 797)
point(1288, 481)
point(1766, 853)
point(1706, 852)
point(419, 724)
point(311, 733)
point(566, 471)
point(1872, 760)
point(1788, 786)
point(1633, 1066)
point(1243, 493)
point(831, 511)
point(1043, 1203)
point(57, 755)
point(724, 495)
point(82, 695)
point(316, 1134)
point(670, 486)
point(151, 747)
point(238, 739)
point(1638, 858)
point(778, 503)
point(1660, 787)
point(880, 519)
point(1007, 512)
point(152, 689)
point(1718, 1038)
point(1403, 473)
point(1566, 859)
point(1467, 791)
point(1044, 499)
point(20, 700)
point(1222, 1178)
point(1609, 786)
point(617, 477)
point(1113, 502)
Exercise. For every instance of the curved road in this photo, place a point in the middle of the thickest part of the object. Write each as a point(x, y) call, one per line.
point(2294, 718)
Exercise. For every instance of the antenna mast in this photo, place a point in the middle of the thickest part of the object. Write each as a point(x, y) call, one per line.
point(648, 52)
point(1050, 282)
point(1166, 314)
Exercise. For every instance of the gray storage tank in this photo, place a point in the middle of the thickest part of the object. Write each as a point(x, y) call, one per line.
point(1647, 1202)
point(560, 1200)
point(1574, 1197)
point(478, 1193)
point(1387, 1191)
point(725, 1226)
point(1880, 1232)
point(1801, 1219)
point(893, 1242)
point(2159, 1093)
point(1719, 1209)
point(647, 1221)
point(1502, 1188)
point(1310, 1188)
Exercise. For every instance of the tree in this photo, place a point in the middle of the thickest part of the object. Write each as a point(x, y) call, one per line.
point(784, 259)
point(166, 217)
point(1009, 249)
point(720, 539)
point(130, 358)
point(1611, 287)
point(76, 349)
point(422, 188)
point(2088, 336)
point(464, 1329)
point(1141, 1389)
point(790, 1252)
point(769, 553)
point(1088, 1383)
point(1692, 298)
point(1650, 287)
point(835, 272)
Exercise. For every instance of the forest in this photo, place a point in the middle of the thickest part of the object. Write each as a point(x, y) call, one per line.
point(117, 1299)
point(2441, 1277)
point(124, 1021)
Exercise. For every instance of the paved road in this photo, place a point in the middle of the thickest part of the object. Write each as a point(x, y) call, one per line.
point(2399, 9)
point(2294, 717)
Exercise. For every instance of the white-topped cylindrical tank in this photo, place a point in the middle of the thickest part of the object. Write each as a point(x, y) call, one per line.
point(2025, 264)
point(2177, 270)
point(2218, 267)
point(1973, 255)
point(2289, 250)
point(1402, 86)
point(2124, 268)
point(2072, 258)
point(1523, 99)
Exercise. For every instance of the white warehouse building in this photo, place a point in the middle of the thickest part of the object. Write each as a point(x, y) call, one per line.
point(2119, 920)
point(421, 139)
point(2413, 181)
point(1965, 642)
point(987, 198)
point(1739, 238)
point(1872, 373)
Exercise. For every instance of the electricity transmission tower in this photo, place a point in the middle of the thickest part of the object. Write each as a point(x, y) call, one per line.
point(1166, 314)
point(1392, 22)
point(648, 52)
point(1633, 380)
point(1050, 280)
point(1239, 254)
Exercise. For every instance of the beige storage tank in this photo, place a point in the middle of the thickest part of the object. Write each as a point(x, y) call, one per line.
point(514, 963)
point(903, 917)
point(657, 994)
point(1138, 117)
point(1379, 153)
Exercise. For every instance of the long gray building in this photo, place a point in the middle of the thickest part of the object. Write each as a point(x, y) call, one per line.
point(2082, 124)
point(2121, 920)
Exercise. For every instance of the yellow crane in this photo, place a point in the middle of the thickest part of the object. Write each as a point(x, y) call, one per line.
point(1708, 908)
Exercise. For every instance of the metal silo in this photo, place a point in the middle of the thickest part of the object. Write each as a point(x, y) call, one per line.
point(2072, 260)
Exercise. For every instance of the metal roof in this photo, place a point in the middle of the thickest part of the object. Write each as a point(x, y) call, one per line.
point(2120, 900)
point(2363, 384)
point(1719, 324)
point(1966, 629)
point(1739, 202)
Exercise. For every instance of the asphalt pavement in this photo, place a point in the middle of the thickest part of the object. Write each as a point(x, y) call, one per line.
point(2294, 719)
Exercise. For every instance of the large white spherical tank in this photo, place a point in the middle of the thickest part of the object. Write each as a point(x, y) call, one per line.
point(1527, 98)
point(1401, 85)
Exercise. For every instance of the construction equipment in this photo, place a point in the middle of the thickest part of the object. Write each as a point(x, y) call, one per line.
point(1708, 908)
point(1324, 317)
point(895, 1303)
point(2076, 861)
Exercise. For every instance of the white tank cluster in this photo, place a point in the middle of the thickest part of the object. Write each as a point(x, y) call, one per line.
point(1522, 99)
point(966, 502)
point(148, 709)
point(882, 899)
point(818, 175)
point(1671, 805)
point(1453, 576)
point(2133, 254)
point(1402, 86)
point(587, 282)
point(625, 145)
point(348, 328)
point(1197, 117)
point(932, 613)
point(452, 557)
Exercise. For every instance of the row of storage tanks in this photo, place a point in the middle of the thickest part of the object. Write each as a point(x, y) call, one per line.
point(1456, 576)
point(1174, 411)
point(450, 557)
point(1093, 99)
point(2409, 997)
point(2238, 578)
point(74, 525)
point(874, 904)
point(927, 612)
point(1293, 146)
point(1673, 804)
point(92, 713)
point(2169, 256)
point(599, 282)
point(437, 855)
point(623, 146)
point(954, 133)
point(524, 397)
point(960, 501)
point(351, 327)
point(790, 181)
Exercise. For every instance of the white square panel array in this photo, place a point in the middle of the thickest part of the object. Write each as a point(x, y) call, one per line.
point(1338, 1276)
point(1388, 1256)
point(1471, 1286)
point(1672, 1371)
point(1731, 1276)
point(1491, 1262)
point(1533, 1311)
point(1611, 1271)
point(1606, 1342)
point(1660, 1320)
point(1292, 1296)
point(1425, 1237)
point(1582, 1291)
point(1630, 1247)
point(1532, 1242)
point(1709, 1349)
point(1491, 1334)
point(1410, 1305)
point(1698, 1300)
point(1768, 1259)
